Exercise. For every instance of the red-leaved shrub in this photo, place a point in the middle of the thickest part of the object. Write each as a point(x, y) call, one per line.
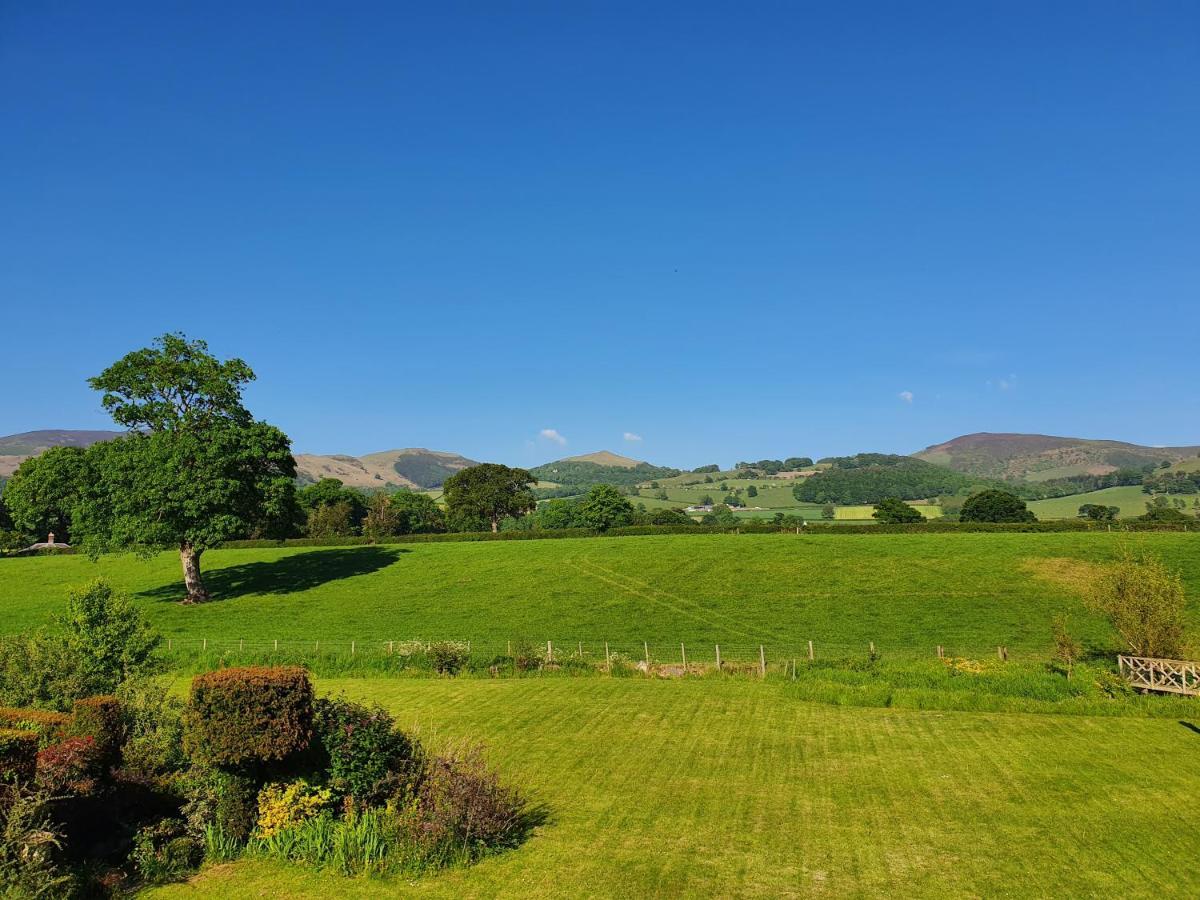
point(100, 719)
point(248, 716)
point(72, 766)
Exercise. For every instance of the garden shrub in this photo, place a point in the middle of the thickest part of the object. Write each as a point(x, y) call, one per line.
point(460, 808)
point(153, 726)
point(221, 806)
point(164, 852)
point(283, 806)
point(29, 845)
point(366, 756)
point(448, 657)
point(18, 755)
point(248, 716)
point(74, 765)
point(48, 726)
point(100, 719)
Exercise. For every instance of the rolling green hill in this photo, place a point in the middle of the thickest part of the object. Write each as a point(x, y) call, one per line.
point(1130, 499)
point(576, 474)
point(870, 477)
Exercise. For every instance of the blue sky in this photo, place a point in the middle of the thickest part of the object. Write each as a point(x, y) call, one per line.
point(731, 230)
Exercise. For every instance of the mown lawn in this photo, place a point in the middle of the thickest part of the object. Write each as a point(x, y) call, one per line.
point(735, 788)
point(969, 592)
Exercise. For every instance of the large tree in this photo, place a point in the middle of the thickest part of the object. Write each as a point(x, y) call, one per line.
point(996, 506)
point(604, 507)
point(487, 493)
point(894, 511)
point(196, 469)
point(44, 491)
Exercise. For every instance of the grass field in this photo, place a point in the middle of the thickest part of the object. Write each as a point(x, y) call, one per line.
point(1130, 498)
point(973, 591)
point(866, 513)
point(735, 788)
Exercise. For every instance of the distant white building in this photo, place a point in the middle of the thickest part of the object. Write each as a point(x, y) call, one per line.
point(49, 544)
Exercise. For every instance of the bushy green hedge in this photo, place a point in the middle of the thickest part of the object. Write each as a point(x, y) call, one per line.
point(101, 719)
point(18, 755)
point(248, 716)
point(48, 726)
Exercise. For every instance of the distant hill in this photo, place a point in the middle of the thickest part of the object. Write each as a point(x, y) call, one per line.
point(577, 474)
point(16, 448)
point(607, 458)
point(870, 477)
point(1041, 457)
point(414, 467)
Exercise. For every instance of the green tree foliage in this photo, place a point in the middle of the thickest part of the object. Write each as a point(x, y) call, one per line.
point(893, 511)
point(576, 477)
point(604, 507)
point(331, 492)
point(995, 506)
point(870, 477)
point(100, 642)
point(751, 491)
point(329, 520)
point(775, 466)
point(707, 500)
point(721, 515)
point(196, 468)
point(42, 494)
point(417, 513)
point(486, 494)
point(828, 511)
point(733, 500)
point(704, 470)
point(1145, 603)
point(1166, 515)
point(1098, 512)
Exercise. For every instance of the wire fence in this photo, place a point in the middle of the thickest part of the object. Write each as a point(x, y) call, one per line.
point(686, 656)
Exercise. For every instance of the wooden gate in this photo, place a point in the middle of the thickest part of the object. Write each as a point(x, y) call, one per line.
point(1174, 676)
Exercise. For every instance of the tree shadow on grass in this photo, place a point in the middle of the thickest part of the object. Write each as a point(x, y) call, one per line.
point(1190, 727)
point(286, 575)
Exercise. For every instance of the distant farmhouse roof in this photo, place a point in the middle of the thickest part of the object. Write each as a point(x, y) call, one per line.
point(48, 544)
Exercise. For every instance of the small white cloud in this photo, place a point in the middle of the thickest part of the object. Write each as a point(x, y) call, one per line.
point(906, 396)
point(551, 434)
point(631, 437)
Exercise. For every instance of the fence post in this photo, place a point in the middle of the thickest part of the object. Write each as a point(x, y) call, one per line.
point(718, 657)
point(276, 645)
point(872, 648)
point(352, 648)
point(549, 651)
point(607, 661)
point(168, 643)
point(391, 645)
point(793, 668)
point(811, 657)
point(206, 643)
point(580, 646)
point(683, 653)
point(762, 662)
point(940, 652)
point(241, 644)
point(510, 648)
point(316, 646)
point(646, 652)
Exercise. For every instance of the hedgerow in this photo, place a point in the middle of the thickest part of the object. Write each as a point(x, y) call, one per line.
point(248, 716)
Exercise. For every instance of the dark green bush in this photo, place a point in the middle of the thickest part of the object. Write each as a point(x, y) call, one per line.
point(18, 755)
point(164, 852)
point(366, 757)
point(248, 716)
point(100, 719)
point(447, 657)
point(219, 802)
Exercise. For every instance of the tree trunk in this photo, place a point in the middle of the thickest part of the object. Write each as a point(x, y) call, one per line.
point(190, 557)
point(495, 524)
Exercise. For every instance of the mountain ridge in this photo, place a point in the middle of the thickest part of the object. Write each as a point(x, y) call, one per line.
point(1039, 457)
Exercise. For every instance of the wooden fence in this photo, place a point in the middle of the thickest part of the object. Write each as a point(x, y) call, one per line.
point(1172, 676)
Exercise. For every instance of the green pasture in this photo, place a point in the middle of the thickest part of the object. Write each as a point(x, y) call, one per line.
point(928, 510)
point(1129, 498)
point(736, 788)
point(973, 591)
